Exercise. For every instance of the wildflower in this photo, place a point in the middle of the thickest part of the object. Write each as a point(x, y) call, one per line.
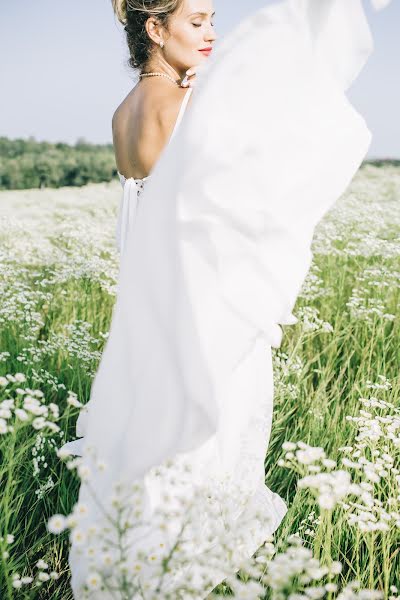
point(71, 521)
point(289, 446)
point(315, 592)
point(54, 575)
point(328, 463)
point(41, 564)
point(54, 409)
point(57, 523)
point(107, 559)
point(83, 471)
point(93, 581)
point(336, 567)
point(326, 501)
point(81, 509)
point(72, 401)
point(21, 414)
point(62, 453)
point(310, 455)
point(39, 423)
point(78, 537)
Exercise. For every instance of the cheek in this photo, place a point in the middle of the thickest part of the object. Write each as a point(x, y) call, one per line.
point(186, 42)
point(188, 38)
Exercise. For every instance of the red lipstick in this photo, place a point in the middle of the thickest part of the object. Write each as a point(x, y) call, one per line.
point(206, 51)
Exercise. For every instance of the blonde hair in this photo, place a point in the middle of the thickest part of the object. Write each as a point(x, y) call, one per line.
point(120, 9)
point(133, 14)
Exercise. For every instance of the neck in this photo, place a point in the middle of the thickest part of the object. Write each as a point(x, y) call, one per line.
point(158, 64)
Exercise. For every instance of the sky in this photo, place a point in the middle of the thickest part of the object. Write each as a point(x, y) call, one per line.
point(63, 70)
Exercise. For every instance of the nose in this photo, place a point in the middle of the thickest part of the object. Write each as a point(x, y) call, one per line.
point(211, 34)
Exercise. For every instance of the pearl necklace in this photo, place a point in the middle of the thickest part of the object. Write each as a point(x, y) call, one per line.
point(161, 75)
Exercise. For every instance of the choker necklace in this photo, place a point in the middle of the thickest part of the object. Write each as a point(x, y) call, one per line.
point(161, 75)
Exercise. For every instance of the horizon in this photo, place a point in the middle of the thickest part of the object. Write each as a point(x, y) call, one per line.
point(75, 88)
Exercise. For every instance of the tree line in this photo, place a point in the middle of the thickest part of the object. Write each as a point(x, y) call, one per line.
point(27, 163)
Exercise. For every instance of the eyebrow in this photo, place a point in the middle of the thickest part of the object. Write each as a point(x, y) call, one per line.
point(203, 14)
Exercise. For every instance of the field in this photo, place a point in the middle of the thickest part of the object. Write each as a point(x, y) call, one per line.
point(335, 444)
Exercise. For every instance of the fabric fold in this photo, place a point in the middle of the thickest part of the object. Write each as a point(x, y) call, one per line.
point(127, 212)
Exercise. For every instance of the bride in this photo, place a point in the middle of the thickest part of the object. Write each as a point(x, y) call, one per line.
point(223, 185)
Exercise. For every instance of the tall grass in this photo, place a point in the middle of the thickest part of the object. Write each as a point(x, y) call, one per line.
point(336, 389)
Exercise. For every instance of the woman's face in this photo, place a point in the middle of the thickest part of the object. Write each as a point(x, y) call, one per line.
point(190, 31)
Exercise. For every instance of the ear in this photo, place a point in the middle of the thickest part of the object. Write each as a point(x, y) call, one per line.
point(154, 30)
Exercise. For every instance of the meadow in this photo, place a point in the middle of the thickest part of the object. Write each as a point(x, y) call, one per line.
point(335, 443)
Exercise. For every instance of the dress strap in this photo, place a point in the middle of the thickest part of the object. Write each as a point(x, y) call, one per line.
point(181, 111)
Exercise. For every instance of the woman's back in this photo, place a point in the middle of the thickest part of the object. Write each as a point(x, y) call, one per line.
point(143, 124)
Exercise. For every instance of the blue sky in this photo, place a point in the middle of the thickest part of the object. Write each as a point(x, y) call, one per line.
point(66, 72)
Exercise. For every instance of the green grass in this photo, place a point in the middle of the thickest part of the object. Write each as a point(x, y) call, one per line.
point(320, 372)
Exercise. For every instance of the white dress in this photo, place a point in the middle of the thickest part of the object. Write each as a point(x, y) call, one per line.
point(215, 246)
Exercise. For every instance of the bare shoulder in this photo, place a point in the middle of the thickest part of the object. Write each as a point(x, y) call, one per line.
point(122, 111)
point(163, 105)
point(143, 123)
point(158, 103)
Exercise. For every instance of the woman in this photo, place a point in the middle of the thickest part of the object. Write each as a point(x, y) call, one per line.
point(164, 40)
point(144, 121)
point(215, 247)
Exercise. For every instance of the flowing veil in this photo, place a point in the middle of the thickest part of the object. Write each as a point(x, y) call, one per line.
point(221, 241)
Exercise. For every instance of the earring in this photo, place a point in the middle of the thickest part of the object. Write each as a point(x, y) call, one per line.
point(162, 44)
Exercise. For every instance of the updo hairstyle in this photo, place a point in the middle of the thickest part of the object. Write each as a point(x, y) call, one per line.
point(133, 14)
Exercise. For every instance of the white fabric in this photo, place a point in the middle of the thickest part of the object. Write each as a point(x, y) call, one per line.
point(133, 187)
point(219, 248)
point(128, 206)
